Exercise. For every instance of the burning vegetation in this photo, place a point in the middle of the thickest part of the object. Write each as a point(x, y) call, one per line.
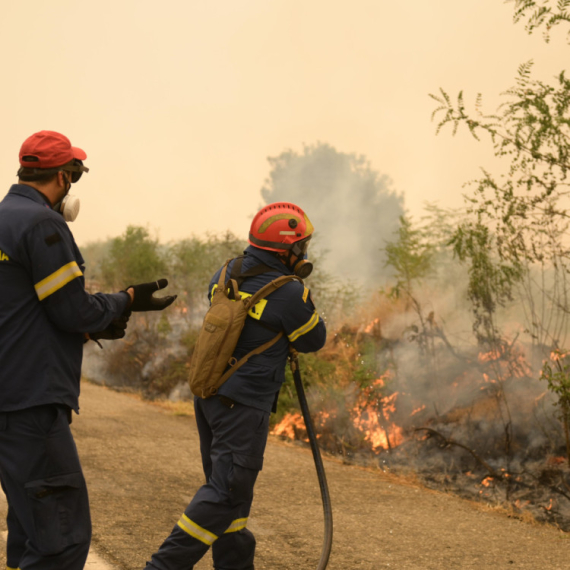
point(476, 423)
point(403, 382)
point(398, 386)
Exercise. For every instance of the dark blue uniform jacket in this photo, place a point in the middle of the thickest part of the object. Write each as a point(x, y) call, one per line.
point(44, 308)
point(289, 309)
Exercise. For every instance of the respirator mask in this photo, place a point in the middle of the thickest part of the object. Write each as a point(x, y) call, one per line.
point(69, 206)
point(302, 267)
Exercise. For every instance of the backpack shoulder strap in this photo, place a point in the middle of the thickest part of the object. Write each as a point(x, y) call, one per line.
point(222, 285)
point(236, 269)
point(248, 303)
point(235, 365)
point(271, 287)
point(251, 272)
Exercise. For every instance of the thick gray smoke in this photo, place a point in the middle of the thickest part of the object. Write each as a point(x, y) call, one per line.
point(352, 207)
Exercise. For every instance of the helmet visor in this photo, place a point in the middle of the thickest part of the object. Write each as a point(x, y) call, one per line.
point(300, 247)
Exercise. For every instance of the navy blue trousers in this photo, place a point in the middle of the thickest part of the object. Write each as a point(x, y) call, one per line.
point(49, 525)
point(232, 444)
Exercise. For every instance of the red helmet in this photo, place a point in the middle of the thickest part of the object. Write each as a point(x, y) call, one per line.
point(281, 227)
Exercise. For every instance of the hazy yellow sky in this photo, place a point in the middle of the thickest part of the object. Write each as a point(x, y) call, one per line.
point(178, 103)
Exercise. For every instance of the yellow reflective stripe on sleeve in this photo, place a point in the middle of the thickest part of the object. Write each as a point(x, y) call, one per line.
point(313, 321)
point(196, 531)
point(305, 295)
point(57, 280)
point(238, 524)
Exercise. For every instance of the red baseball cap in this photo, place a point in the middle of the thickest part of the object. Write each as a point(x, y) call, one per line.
point(48, 149)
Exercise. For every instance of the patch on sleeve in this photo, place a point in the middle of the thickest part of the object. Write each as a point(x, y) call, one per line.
point(54, 238)
point(305, 295)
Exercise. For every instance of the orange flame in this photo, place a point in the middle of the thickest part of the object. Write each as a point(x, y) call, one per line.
point(418, 410)
point(514, 358)
point(487, 481)
point(289, 426)
point(371, 415)
point(374, 421)
point(558, 355)
point(549, 506)
point(370, 326)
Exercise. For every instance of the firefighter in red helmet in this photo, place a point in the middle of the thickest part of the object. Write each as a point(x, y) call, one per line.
point(233, 424)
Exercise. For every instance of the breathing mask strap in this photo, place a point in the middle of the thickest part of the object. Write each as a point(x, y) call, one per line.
point(67, 182)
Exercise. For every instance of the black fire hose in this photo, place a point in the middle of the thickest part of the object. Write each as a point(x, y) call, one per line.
point(327, 543)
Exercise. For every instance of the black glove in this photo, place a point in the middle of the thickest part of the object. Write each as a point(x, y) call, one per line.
point(115, 330)
point(143, 299)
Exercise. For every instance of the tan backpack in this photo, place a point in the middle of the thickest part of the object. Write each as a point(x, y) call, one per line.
point(221, 330)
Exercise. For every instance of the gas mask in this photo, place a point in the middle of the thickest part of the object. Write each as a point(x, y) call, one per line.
point(302, 267)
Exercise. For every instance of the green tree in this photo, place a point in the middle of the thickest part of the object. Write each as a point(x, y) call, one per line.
point(134, 257)
point(420, 256)
point(94, 253)
point(518, 220)
point(557, 373)
point(514, 241)
point(410, 256)
point(351, 206)
point(544, 14)
point(194, 261)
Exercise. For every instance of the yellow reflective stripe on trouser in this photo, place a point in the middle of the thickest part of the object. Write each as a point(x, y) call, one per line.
point(196, 530)
point(313, 321)
point(57, 280)
point(238, 524)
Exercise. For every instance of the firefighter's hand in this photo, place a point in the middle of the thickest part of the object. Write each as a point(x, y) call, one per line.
point(142, 296)
point(114, 331)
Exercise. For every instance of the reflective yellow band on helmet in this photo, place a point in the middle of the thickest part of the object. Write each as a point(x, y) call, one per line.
point(313, 321)
point(196, 531)
point(276, 218)
point(238, 524)
point(57, 280)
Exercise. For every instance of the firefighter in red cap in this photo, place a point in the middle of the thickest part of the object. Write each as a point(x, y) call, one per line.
point(46, 316)
point(233, 424)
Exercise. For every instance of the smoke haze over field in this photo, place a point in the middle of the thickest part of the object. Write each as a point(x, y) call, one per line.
point(178, 104)
point(353, 208)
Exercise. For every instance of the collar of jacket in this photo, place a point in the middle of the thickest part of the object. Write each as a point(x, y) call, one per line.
point(29, 192)
point(268, 258)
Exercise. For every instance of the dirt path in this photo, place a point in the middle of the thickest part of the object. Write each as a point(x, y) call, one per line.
point(142, 467)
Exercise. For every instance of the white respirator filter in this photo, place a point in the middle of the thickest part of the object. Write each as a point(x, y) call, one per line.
point(70, 208)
